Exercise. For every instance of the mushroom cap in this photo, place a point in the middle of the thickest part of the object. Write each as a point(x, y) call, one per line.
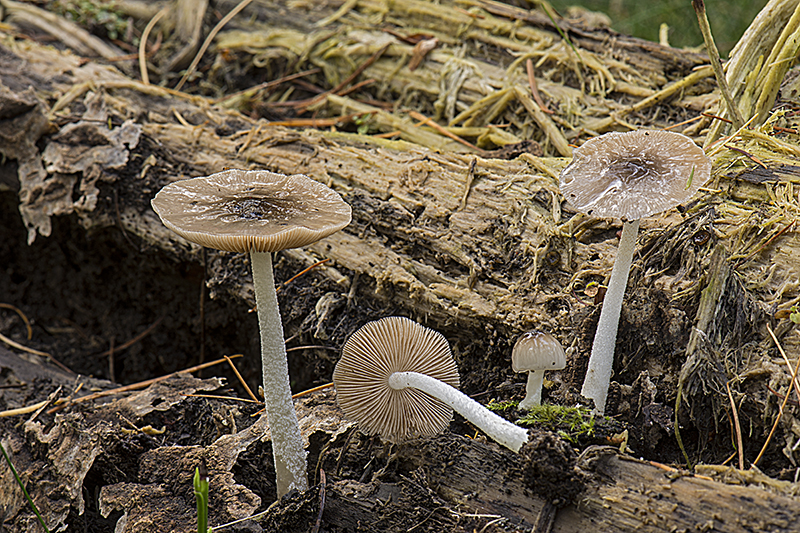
point(255, 210)
point(372, 354)
point(537, 350)
point(635, 174)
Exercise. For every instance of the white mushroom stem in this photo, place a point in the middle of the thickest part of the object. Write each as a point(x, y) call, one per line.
point(533, 390)
point(287, 443)
point(601, 362)
point(501, 430)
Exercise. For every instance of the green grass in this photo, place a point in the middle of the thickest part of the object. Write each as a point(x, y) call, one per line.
point(728, 18)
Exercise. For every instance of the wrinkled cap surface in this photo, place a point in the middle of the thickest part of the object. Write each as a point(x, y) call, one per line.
point(537, 350)
point(256, 210)
point(375, 352)
point(635, 174)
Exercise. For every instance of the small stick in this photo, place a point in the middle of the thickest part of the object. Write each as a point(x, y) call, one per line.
point(356, 73)
point(738, 427)
point(688, 121)
point(22, 316)
point(288, 281)
point(729, 459)
point(140, 385)
point(266, 85)
point(754, 252)
point(788, 364)
point(241, 379)
point(357, 86)
point(218, 397)
point(429, 122)
point(143, 44)
point(534, 87)
point(716, 64)
point(387, 135)
point(301, 394)
point(19, 346)
point(200, 53)
point(134, 340)
point(662, 466)
point(781, 396)
point(746, 154)
point(309, 391)
point(318, 523)
point(23, 410)
point(717, 117)
point(785, 399)
point(311, 347)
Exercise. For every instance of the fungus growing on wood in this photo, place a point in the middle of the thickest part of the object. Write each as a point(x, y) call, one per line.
point(629, 176)
point(260, 212)
point(398, 379)
point(535, 352)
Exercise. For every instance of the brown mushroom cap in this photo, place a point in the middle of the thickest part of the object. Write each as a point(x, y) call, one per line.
point(256, 210)
point(635, 174)
point(537, 350)
point(375, 352)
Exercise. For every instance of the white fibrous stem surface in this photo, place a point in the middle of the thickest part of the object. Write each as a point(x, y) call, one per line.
point(499, 429)
point(601, 362)
point(533, 390)
point(287, 443)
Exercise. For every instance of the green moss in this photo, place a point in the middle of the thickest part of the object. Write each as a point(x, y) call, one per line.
point(502, 406)
point(93, 14)
point(573, 424)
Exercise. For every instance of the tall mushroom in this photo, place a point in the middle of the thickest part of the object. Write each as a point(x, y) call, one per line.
point(398, 379)
point(260, 212)
point(629, 176)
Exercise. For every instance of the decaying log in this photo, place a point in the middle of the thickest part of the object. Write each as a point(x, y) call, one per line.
point(468, 235)
point(449, 481)
point(478, 247)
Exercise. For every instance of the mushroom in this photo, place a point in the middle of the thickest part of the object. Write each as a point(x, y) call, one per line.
point(260, 212)
point(629, 176)
point(398, 379)
point(534, 353)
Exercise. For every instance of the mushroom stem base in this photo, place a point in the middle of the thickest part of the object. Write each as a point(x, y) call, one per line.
point(501, 430)
point(287, 443)
point(533, 390)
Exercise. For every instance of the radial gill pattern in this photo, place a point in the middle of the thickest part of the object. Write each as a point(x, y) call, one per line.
point(371, 355)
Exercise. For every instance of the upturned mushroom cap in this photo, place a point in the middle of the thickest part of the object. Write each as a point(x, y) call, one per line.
point(256, 210)
point(635, 174)
point(375, 352)
point(537, 350)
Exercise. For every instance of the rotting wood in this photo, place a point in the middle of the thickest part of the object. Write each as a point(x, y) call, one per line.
point(458, 266)
point(412, 245)
point(470, 481)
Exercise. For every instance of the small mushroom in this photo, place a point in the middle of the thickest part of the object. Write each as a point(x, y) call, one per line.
point(260, 212)
point(534, 353)
point(398, 379)
point(629, 176)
